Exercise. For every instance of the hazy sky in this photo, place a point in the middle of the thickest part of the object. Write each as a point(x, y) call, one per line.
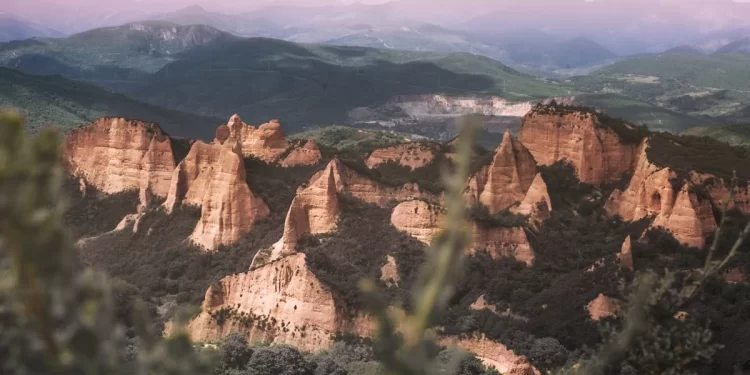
point(639, 17)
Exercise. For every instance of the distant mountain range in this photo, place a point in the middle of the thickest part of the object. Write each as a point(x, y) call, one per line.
point(12, 28)
point(203, 70)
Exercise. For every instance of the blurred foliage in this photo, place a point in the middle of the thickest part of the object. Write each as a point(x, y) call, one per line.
point(56, 316)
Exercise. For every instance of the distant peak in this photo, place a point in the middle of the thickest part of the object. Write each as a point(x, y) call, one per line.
point(194, 8)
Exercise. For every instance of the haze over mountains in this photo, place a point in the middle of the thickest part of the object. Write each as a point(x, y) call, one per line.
point(596, 30)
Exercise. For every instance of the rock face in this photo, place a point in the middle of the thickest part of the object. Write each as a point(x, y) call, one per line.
point(625, 257)
point(389, 272)
point(501, 242)
point(651, 193)
point(116, 154)
point(412, 155)
point(595, 151)
point(494, 354)
point(281, 302)
point(419, 219)
point(212, 176)
point(506, 180)
point(349, 181)
point(601, 307)
point(309, 154)
point(536, 204)
point(314, 210)
point(718, 189)
point(267, 142)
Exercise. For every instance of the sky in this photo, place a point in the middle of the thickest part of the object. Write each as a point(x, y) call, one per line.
point(671, 20)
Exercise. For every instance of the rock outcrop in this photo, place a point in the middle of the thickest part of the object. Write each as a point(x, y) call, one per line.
point(718, 189)
point(389, 271)
point(266, 142)
point(601, 307)
point(506, 180)
point(308, 154)
point(212, 176)
point(419, 219)
point(351, 182)
point(625, 257)
point(481, 304)
point(598, 154)
point(536, 204)
point(501, 242)
point(116, 154)
point(422, 221)
point(282, 302)
point(411, 155)
point(653, 192)
point(494, 354)
point(314, 210)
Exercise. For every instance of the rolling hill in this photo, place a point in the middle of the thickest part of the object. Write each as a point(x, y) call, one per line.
point(54, 101)
point(735, 135)
point(314, 84)
point(691, 83)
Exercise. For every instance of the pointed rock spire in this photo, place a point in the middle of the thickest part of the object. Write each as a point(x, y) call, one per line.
point(625, 257)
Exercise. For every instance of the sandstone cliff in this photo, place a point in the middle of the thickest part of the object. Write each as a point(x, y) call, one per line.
point(652, 193)
point(314, 210)
point(537, 203)
point(308, 154)
point(412, 155)
point(596, 151)
point(212, 176)
point(506, 180)
point(494, 354)
point(422, 221)
point(349, 181)
point(502, 242)
point(116, 154)
point(282, 302)
point(419, 219)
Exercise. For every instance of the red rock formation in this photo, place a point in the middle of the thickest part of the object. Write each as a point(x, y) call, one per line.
point(351, 182)
point(719, 191)
point(595, 151)
point(422, 221)
point(212, 176)
point(625, 257)
point(266, 143)
point(481, 304)
point(506, 180)
point(502, 242)
point(419, 219)
point(115, 154)
point(282, 302)
point(229, 209)
point(652, 194)
point(412, 155)
point(314, 210)
point(308, 154)
point(691, 220)
point(494, 354)
point(389, 272)
point(601, 307)
point(536, 204)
